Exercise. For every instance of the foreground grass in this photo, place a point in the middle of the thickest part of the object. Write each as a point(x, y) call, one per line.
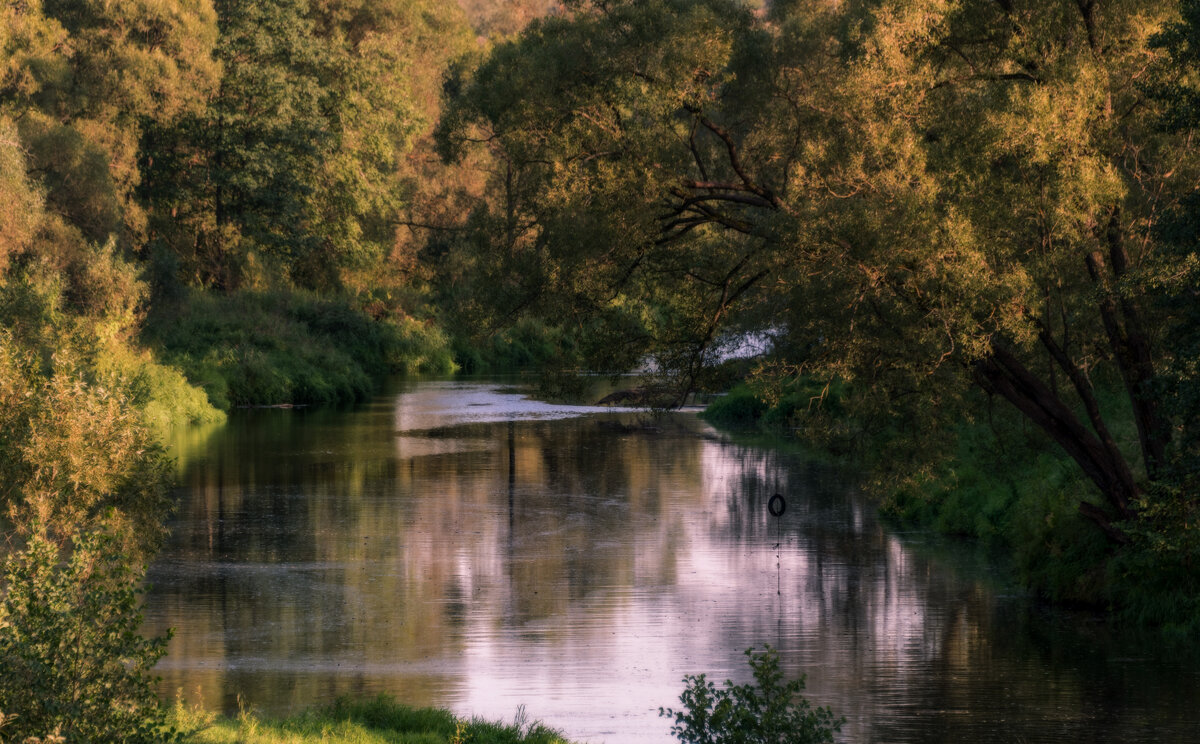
point(374, 721)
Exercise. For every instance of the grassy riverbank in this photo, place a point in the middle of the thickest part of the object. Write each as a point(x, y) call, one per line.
point(962, 482)
point(289, 347)
point(359, 722)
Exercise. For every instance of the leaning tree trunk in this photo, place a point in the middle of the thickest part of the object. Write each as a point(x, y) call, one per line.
point(1095, 452)
point(1130, 345)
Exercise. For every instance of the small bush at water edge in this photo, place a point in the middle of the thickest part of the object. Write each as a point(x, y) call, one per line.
point(769, 711)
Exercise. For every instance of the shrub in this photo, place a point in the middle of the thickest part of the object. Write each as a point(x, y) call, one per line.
point(72, 663)
point(742, 407)
point(769, 711)
point(1156, 577)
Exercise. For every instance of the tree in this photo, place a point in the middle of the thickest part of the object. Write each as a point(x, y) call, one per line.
point(923, 198)
point(293, 166)
point(582, 118)
point(1177, 285)
point(502, 19)
point(81, 79)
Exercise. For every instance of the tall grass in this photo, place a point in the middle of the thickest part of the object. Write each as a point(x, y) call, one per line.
point(373, 721)
point(162, 392)
point(281, 347)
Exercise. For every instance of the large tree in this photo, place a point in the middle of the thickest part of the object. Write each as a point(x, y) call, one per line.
point(923, 197)
point(292, 165)
point(83, 79)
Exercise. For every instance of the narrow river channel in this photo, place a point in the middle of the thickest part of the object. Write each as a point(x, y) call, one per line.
point(457, 544)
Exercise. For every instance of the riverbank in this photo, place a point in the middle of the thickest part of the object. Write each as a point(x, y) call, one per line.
point(253, 348)
point(348, 721)
point(1002, 484)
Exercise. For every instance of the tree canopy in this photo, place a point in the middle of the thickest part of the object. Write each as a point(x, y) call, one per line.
point(923, 199)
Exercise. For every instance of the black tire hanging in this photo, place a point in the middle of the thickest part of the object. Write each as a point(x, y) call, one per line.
point(777, 506)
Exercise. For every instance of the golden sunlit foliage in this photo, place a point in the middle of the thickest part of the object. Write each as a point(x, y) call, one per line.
point(937, 203)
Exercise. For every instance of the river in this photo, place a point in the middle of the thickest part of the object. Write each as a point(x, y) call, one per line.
point(458, 544)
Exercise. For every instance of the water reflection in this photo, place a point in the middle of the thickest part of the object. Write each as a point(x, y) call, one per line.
point(460, 546)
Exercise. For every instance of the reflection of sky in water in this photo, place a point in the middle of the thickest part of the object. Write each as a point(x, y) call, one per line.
point(579, 564)
point(407, 446)
point(447, 404)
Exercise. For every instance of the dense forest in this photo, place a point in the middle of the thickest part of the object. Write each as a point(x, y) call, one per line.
point(967, 229)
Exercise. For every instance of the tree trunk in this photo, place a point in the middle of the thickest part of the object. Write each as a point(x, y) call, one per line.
point(1130, 346)
point(1003, 374)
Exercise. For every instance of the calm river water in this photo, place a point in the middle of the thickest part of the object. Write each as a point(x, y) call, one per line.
point(457, 544)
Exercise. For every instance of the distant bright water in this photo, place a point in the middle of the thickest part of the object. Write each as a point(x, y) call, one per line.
point(458, 544)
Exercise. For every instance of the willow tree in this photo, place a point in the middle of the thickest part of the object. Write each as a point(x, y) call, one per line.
point(585, 121)
point(923, 197)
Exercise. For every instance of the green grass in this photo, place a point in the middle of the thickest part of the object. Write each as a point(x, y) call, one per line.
point(162, 392)
point(375, 721)
point(280, 347)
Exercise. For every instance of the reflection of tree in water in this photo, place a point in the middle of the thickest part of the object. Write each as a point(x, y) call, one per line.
point(583, 487)
point(323, 542)
point(340, 557)
point(930, 653)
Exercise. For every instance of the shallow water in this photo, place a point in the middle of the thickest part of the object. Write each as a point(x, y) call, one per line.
point(461, 545)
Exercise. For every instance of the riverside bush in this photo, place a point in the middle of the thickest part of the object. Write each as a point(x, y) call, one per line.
point(803, 406)
point(527, 345)
point(72, 663)
point(740, 408)
point(768, 711)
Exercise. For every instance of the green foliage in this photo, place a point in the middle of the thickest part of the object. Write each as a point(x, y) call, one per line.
point(1030, 512)
point(162, 393)
point(768, 711)
point(268, 348)
point(267, 128)
point(20, 202)
point(72, 662)
point(373, 721)
point(292, 169)
point(742, 407)
point(491, 19)
point(576, 189)
point(526, 345)
point(1177, 278)
point(74, 448)
point(800, 405)
point(1156, 579)
point(83, 78)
